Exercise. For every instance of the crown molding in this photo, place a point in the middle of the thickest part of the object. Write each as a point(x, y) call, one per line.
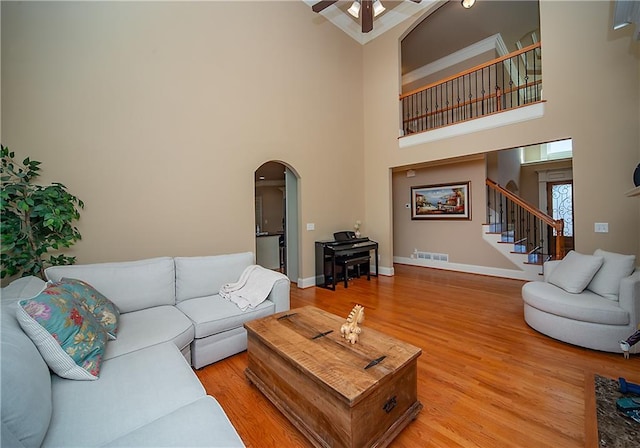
point(494, 42)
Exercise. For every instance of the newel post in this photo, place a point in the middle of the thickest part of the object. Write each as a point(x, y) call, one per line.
point(559, 224)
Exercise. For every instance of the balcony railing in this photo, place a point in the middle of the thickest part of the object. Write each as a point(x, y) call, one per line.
point(502, 84)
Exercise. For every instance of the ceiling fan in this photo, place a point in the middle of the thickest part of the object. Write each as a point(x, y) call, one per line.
point(366, 10)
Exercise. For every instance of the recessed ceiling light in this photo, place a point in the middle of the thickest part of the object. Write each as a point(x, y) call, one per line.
point(468, 3)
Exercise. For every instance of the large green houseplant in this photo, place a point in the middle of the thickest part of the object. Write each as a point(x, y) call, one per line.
point(35, 219)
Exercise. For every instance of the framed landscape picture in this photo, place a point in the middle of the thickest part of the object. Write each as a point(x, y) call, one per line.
point(443, 201)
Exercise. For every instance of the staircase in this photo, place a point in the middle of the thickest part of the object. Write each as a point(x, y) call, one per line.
point(521, 232)
point(514, 251)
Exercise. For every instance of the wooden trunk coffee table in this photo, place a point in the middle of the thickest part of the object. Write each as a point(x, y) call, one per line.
point(336, 393)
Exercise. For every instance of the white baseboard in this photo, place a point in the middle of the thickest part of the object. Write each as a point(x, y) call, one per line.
point(469, 268)
point(458, 267)
point(389, 272)
point(311, 281)
point(306, 282)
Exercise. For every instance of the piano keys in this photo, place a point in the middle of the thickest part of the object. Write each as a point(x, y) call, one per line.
point(332, 254)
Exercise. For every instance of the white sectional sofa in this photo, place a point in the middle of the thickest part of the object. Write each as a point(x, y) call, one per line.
point(176, 299)
point(591, 301)
point(147, 393)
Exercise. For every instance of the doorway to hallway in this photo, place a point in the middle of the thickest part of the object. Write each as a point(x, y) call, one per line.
point(276, 218)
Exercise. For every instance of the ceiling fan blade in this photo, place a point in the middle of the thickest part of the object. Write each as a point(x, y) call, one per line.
point(320, 6)
point(367, 15)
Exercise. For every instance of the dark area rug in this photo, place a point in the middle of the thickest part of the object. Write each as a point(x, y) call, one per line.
point(615, 430)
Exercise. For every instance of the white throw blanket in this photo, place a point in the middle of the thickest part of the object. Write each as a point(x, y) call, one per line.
point(252, 288)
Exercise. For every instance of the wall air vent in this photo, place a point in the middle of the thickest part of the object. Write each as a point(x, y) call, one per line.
point(430, 256)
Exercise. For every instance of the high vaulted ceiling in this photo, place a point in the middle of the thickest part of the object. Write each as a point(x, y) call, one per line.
point(448, 28)
point(451, 28)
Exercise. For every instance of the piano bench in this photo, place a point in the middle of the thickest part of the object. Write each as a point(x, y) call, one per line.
point(355, 262)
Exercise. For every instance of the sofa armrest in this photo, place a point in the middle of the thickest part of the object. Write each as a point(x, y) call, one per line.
point(23, 288)
point(279, 294)
point(629, 297)
point(549, 266)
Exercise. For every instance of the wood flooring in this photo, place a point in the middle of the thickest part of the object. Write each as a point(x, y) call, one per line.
point(485, 378)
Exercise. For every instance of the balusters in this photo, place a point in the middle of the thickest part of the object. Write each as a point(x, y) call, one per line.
point(490, 88)
point(530, 230)
point(487, 216)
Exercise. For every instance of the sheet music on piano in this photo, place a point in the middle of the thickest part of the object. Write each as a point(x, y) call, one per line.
point(333, 254)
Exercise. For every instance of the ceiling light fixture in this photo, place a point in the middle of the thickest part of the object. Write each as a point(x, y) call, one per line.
point(468, 3)
point(362, 10)
point(378, 8)
point(354, 9)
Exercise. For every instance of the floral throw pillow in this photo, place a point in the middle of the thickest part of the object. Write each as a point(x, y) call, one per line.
point(69, 338)
point(103, 309)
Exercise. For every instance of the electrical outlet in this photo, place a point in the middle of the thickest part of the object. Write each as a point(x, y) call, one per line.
point(311, 226)
point(601, 227)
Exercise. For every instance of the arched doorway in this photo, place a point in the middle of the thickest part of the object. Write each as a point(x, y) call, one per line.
point(276, 218)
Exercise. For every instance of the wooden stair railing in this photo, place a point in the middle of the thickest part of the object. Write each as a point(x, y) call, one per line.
point(508, 82)
point(507, 211)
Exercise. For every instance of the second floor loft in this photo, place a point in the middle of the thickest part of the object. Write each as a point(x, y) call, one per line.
point(502, 84)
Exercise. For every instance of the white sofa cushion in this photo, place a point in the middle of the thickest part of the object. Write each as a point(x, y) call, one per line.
point(204, 276)
point(23, 288)
point(133, 390)
point(131, 285)
point(201, 423)
point(26, 379)
point(213, 348)
point(615, 267)
point(586, 307)
point(575, 271)
point(143, 328)
point(213, 314)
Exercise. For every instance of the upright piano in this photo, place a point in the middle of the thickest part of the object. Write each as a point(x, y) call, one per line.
point(331, 254)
